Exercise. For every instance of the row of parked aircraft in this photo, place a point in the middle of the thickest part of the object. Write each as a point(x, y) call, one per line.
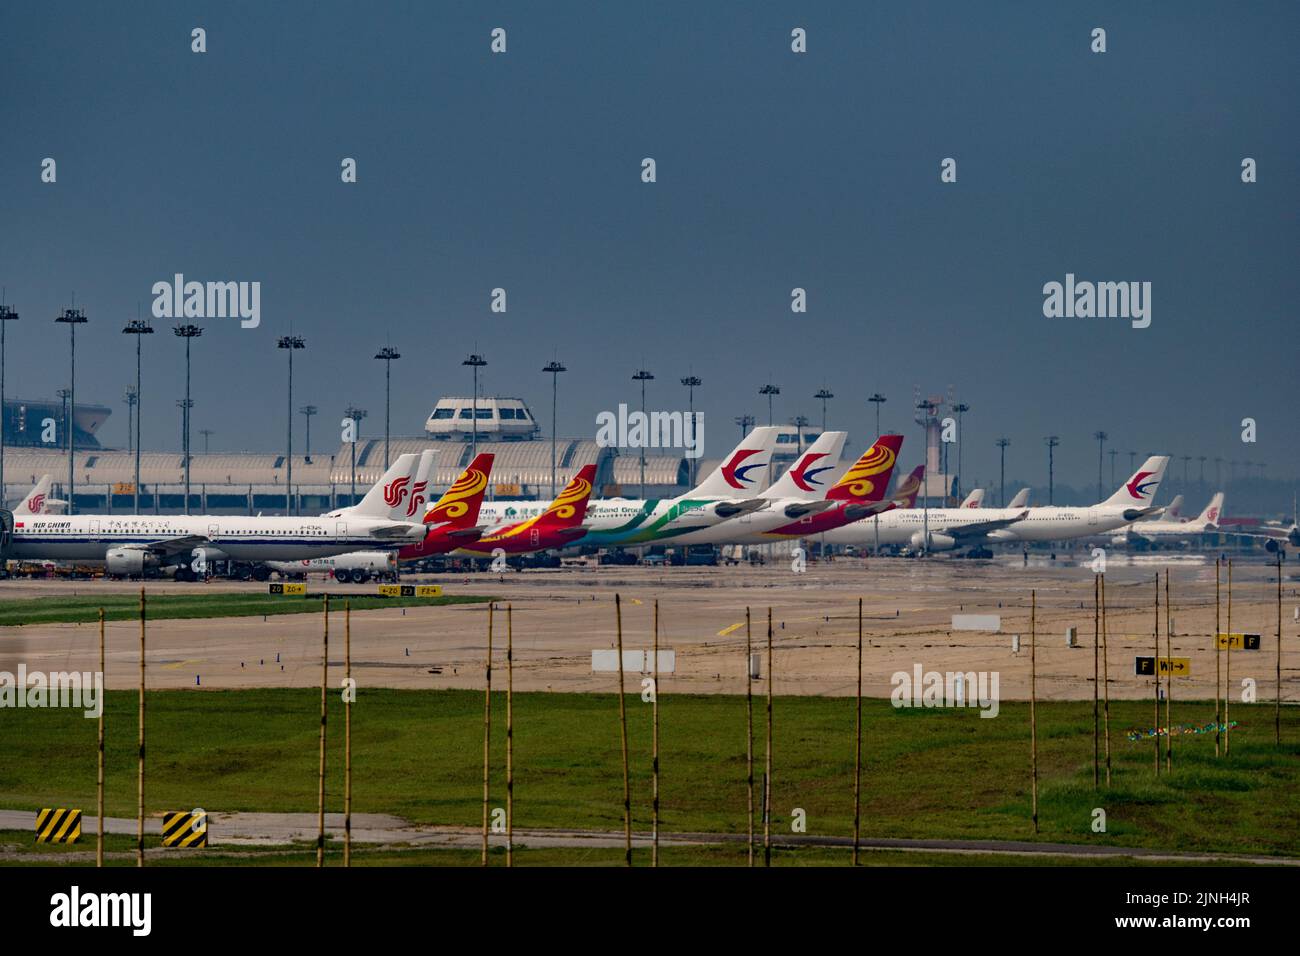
point(733, 505)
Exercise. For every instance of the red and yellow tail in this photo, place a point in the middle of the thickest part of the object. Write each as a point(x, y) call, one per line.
point(570, 506)
point(459, 504)
point(868, 478)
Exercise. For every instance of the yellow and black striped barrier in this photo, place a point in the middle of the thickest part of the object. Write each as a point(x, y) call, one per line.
point(185, 828)
point(58, 826)
point(410, 590)
point(288, 588)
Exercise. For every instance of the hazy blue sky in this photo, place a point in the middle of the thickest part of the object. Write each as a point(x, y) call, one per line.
point(775, 170)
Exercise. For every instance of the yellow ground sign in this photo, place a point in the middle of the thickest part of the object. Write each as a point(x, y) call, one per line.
point(410, 590)
point(185, 829)
point(288, 588)
point(1238, 642)
point(124, 488)
point(1169, 666)
point(59, 825)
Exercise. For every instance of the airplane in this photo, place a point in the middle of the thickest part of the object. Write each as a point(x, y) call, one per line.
point(945, 529)
point(36, 501)
point(729, 491)
point(794, 511)
point(130, 544)
point(453, 520)
point(1204, 523)
point(1020, 500)
point(974, 500)
point(556, 527)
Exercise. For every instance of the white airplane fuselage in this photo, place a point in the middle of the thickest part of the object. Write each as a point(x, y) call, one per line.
point(241, 538)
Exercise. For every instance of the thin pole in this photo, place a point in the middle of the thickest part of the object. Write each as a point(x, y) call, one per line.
point(324, 684)
point(1156, 634)
point(749, 729)
point(1105, 678)
point(347, 733)
point(1096, 677)
point(767, 773)
point(857, 750)
point(1277, 697)
point(1218, 663)
point(510, 735)
point(654, 703)
point(99, 777)
point(622, 723)
point(139, 407)
point(70, 423)
point(139, 818)
point(1033, 700)
point(1169, 680)
point(1227, 670)
point(487, 732)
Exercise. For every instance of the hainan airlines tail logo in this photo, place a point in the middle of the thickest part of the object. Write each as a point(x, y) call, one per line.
point(395, 491)
point(417, 498)
point(455, 502)
point(804, 475)
point(1138, 486)
point(734, 472)
point(879, 460)
point(35, 503)
point(566, 505)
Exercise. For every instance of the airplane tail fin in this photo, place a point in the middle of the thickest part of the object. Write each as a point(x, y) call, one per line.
point(1213, 511)
point(570, 506)
point(1140, 490)
point(867, 479)
point(975, 499)
point(906, 493)
point(1020, 500)
point(459, 504)
point(745, 471)
point(806, 478)
point(391, 491)
point(413, 506)
point(33, 502)
point(1174, 510)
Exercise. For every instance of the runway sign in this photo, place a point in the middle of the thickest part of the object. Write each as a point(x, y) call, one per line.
point(976, 622)
point(1169, 666)
point(636, 662)
point(185, 828)
point(58, 826)
point(288, 588)
point(1239, 642)
point(410, 590)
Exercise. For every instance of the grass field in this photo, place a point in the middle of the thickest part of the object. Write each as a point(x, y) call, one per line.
point(119, 850)
point(126, 607)
point(928, 773)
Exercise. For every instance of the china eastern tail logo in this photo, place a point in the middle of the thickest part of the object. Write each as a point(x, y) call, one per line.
point(1139, 485)
point(804, 475)
point(735, 472)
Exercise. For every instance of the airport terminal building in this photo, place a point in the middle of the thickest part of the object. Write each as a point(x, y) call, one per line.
point(249, 483)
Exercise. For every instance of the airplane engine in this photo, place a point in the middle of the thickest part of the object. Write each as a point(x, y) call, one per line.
point(937, 542)
point(128, 561)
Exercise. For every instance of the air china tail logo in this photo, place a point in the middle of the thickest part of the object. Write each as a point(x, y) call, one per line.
point(735, 473)
point(1138, 486)
point(395, 491)
point(1212, 514)
point(35, 503)
point(417, 498)
point(804, 475)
